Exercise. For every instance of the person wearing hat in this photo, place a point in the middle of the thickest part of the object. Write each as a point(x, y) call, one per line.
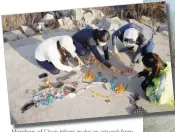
point(134, 34)
point(52, 54)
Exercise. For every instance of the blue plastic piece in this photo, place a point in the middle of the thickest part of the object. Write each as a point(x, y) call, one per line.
point(112, 82)
point(96, 79)
point(100, 74)
point(45, 102)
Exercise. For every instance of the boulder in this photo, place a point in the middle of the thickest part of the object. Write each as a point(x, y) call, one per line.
point(80, 24)
point(65, 13)
point(13, 35)
point(77, 14)
point(67, 21)
point(92, 26)
point(60, 22)
point(164, 33)
point(162, 28)
point(104, 24)
point(27, 30)
point(97, 15)
point(49, 20)
point(88, 18)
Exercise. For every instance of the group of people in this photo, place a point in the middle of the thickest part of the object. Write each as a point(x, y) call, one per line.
point(52, 55)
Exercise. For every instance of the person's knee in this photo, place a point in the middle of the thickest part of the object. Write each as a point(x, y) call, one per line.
point(55, 72)
point(83, 52)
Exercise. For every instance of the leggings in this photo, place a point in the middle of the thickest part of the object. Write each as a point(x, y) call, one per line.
point(81, 50)
point(49, 67)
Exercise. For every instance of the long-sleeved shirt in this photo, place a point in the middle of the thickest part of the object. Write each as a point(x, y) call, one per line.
point(48, 51)
point(85, 37)
point(145, 31)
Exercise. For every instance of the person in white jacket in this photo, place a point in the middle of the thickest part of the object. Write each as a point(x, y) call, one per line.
point(52, 54)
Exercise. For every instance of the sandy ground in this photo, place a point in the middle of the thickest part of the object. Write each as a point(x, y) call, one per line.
point(163, 123)
point(22, 74)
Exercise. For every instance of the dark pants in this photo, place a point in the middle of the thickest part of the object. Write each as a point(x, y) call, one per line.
point(81, 50)
point(49, 67)
point(148, 48)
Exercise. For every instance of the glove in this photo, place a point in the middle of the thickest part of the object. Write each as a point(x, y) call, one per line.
point(131, 67)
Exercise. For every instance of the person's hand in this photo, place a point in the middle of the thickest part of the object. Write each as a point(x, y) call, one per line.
point(80, 62)
point(114, 69)
point(76, 69)
point(114, 51)
point(131, 67)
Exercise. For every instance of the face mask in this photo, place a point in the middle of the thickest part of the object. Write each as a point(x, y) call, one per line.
point(102, 43)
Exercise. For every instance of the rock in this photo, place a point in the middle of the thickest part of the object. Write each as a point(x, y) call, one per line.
point(67, 21)
point(49, 21)
point(162, 28)
point(88, 18)
point(57, 14)
point(60, 22)
point(116, 20)
point(13, 35)
point(114, 27)
point(27, 30)
point(146, 20)
point(65, 13)
point(48, 17)
point(97, 14)
point(92, 26)
point(77, 14)
point(80, 24)
point(104, 24)
point(164, 33)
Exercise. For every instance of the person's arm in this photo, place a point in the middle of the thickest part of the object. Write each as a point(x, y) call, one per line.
point(53, 56)
point(106, 52)
point(92, 46)
point(154, 92)
point(137, 54)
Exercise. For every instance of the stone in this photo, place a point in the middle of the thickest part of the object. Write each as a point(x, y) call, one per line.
point(67, 21)
point(77, 14)
point(13, 35)
point(60, 22)
point(162, 28)
point(104, 24)
point(164, 33)
point(48, 17)
point(92, 26)
point(97, 15)
point(88, 18)
point(49, 20)
point(65, 13)
point(27, 30)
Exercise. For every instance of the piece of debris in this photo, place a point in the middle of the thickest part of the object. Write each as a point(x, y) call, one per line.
point(27, 106)
point(105, 80)
point(139, 110)
point(120, 88)
point(108, 101)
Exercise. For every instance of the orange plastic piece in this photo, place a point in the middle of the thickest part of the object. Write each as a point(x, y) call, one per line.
point(120, 88)
point(89, 77)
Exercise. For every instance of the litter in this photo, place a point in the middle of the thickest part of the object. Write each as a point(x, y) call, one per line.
point(105, 80)
point(108, 101)
point(71, 95)
point(100, 74)
point(139, 110)
point(120, 88)
point(27, 106)
point(99, 94)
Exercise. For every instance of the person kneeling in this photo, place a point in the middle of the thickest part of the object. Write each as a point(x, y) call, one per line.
point(52, 54)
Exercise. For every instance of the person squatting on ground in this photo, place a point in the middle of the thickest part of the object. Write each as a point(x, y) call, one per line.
point(52, 54)
point(158, 79)
point(131, 34)
point(87, 40)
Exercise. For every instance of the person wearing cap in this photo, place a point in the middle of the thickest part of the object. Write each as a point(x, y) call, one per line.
point(134, 34)
point(52, 54)
point(87, 40)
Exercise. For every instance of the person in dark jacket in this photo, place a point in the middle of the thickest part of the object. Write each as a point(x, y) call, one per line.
point(87, 40)
point(134, 34)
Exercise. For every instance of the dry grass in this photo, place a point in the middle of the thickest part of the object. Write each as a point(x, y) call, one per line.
point(11, 22)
